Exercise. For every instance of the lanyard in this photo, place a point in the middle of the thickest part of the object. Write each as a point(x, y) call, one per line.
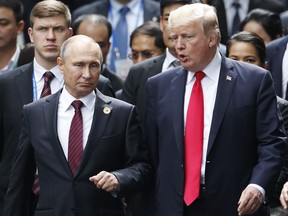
point(113, 33)
point(34, 87)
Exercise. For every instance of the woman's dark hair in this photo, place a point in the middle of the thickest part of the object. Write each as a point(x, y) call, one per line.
point(251, 38)
point(271, 22)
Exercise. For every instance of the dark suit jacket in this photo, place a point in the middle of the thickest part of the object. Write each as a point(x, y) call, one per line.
point(134, 90)
point(101, 7)
point(116, 81)
point(115, 144)
point(272, 5)
point(275, 52)
point(244, 143)
point(15, 91)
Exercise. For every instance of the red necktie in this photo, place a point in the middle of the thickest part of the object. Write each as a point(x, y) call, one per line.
point(48, 76)
point(194, 141)
point(75, 145)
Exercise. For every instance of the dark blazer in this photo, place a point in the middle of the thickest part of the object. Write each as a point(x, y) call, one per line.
point(134, 90)
point(116, 81)
point(275, 52)
point(244, 143)
point(101, 7)
point(275, 6)
point(15, 91)
point(115, 144)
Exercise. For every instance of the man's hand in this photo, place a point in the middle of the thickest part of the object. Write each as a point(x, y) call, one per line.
point(250, 201)
point(105, 181)
point(284, 196)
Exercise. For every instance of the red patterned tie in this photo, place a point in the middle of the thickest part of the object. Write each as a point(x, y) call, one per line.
point(48, 76)
point(194, 141)
point(75, 146)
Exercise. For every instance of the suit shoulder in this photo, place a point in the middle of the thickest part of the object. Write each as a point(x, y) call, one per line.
point(24, 69)
point(92, 7)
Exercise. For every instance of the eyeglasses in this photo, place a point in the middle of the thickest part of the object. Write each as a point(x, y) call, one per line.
point(145, 54)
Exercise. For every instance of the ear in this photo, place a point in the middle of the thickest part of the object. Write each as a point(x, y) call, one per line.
point(20, 25)
point(60, 64)
point(213, 40)
point(70, 32)
point(30, 33)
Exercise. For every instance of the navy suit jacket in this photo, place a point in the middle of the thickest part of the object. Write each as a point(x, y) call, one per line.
point(15, 91)
point(151, 9)
point(115, 144)
point(275, 52)
point(244, 142)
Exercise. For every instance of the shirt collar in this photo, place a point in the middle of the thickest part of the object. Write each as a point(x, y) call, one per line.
point(12, 63)
point(39, 71)
point(66, 99)
point(212, 70)
point(132, 5)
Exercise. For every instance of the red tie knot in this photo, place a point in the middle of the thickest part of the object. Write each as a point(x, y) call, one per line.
point(77, 104)
point(48, 76)
point(199, 75)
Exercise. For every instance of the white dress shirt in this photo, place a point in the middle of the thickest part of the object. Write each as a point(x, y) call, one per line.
point(168, 61)
point(13, 61)
point(285, 72)
point(66, 113)
point(56, 83)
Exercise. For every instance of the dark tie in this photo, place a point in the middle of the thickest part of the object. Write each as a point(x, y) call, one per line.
point(75, 144)
point(176, 63)
point(236, 19)
point(194, 141)
point(48, 76)
point(121, 38)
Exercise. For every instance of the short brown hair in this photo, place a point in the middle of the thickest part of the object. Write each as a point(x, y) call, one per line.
point(50, 8)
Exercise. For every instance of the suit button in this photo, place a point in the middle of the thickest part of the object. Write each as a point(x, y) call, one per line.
point(75, 182)
point(208, 161)
point(182, 165)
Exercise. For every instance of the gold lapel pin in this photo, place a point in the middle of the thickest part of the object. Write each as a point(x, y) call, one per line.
point(106, 110)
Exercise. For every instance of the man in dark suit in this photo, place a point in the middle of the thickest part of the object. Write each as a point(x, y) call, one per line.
point(112, 160)
point(138, 12)
point(276, 61)
point(99, 28)
point(225, 6)
point(24, 84)
point(134, 85)
point(234, 118)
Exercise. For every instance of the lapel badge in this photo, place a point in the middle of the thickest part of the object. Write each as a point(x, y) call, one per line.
point(229, 78)
point(106, 110)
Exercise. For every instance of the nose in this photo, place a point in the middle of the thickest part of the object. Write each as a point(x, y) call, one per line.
point(179, 44)
point(86, 73)
point(51, 34)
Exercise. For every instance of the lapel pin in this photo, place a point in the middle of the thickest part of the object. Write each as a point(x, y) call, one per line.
point(106, 110)
point(229, 78)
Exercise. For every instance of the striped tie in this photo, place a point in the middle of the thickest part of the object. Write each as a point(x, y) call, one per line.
point(75, 145)
point(48, 76)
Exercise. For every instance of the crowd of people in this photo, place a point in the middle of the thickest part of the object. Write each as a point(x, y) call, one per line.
point(144, 108)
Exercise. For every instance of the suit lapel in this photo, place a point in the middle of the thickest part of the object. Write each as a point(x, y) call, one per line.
point(101, 116)
point(50, 109)
point(24, 85)
point(177, 98)
point(226, 84)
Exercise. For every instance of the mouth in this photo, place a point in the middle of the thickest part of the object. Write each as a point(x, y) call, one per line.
point(51, 47)
point(182, 58)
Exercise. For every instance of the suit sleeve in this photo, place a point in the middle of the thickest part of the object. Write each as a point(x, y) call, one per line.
point(17, 200)
point(128, 93)
point(137, 172)
point(270, 137)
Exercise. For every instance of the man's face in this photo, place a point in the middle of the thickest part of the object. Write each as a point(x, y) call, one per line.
point(81, 68)
point(9, 28)
point(193, 47)
point(48, 34)
point(143, 47)
point(164, 26)
point(99, 33)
